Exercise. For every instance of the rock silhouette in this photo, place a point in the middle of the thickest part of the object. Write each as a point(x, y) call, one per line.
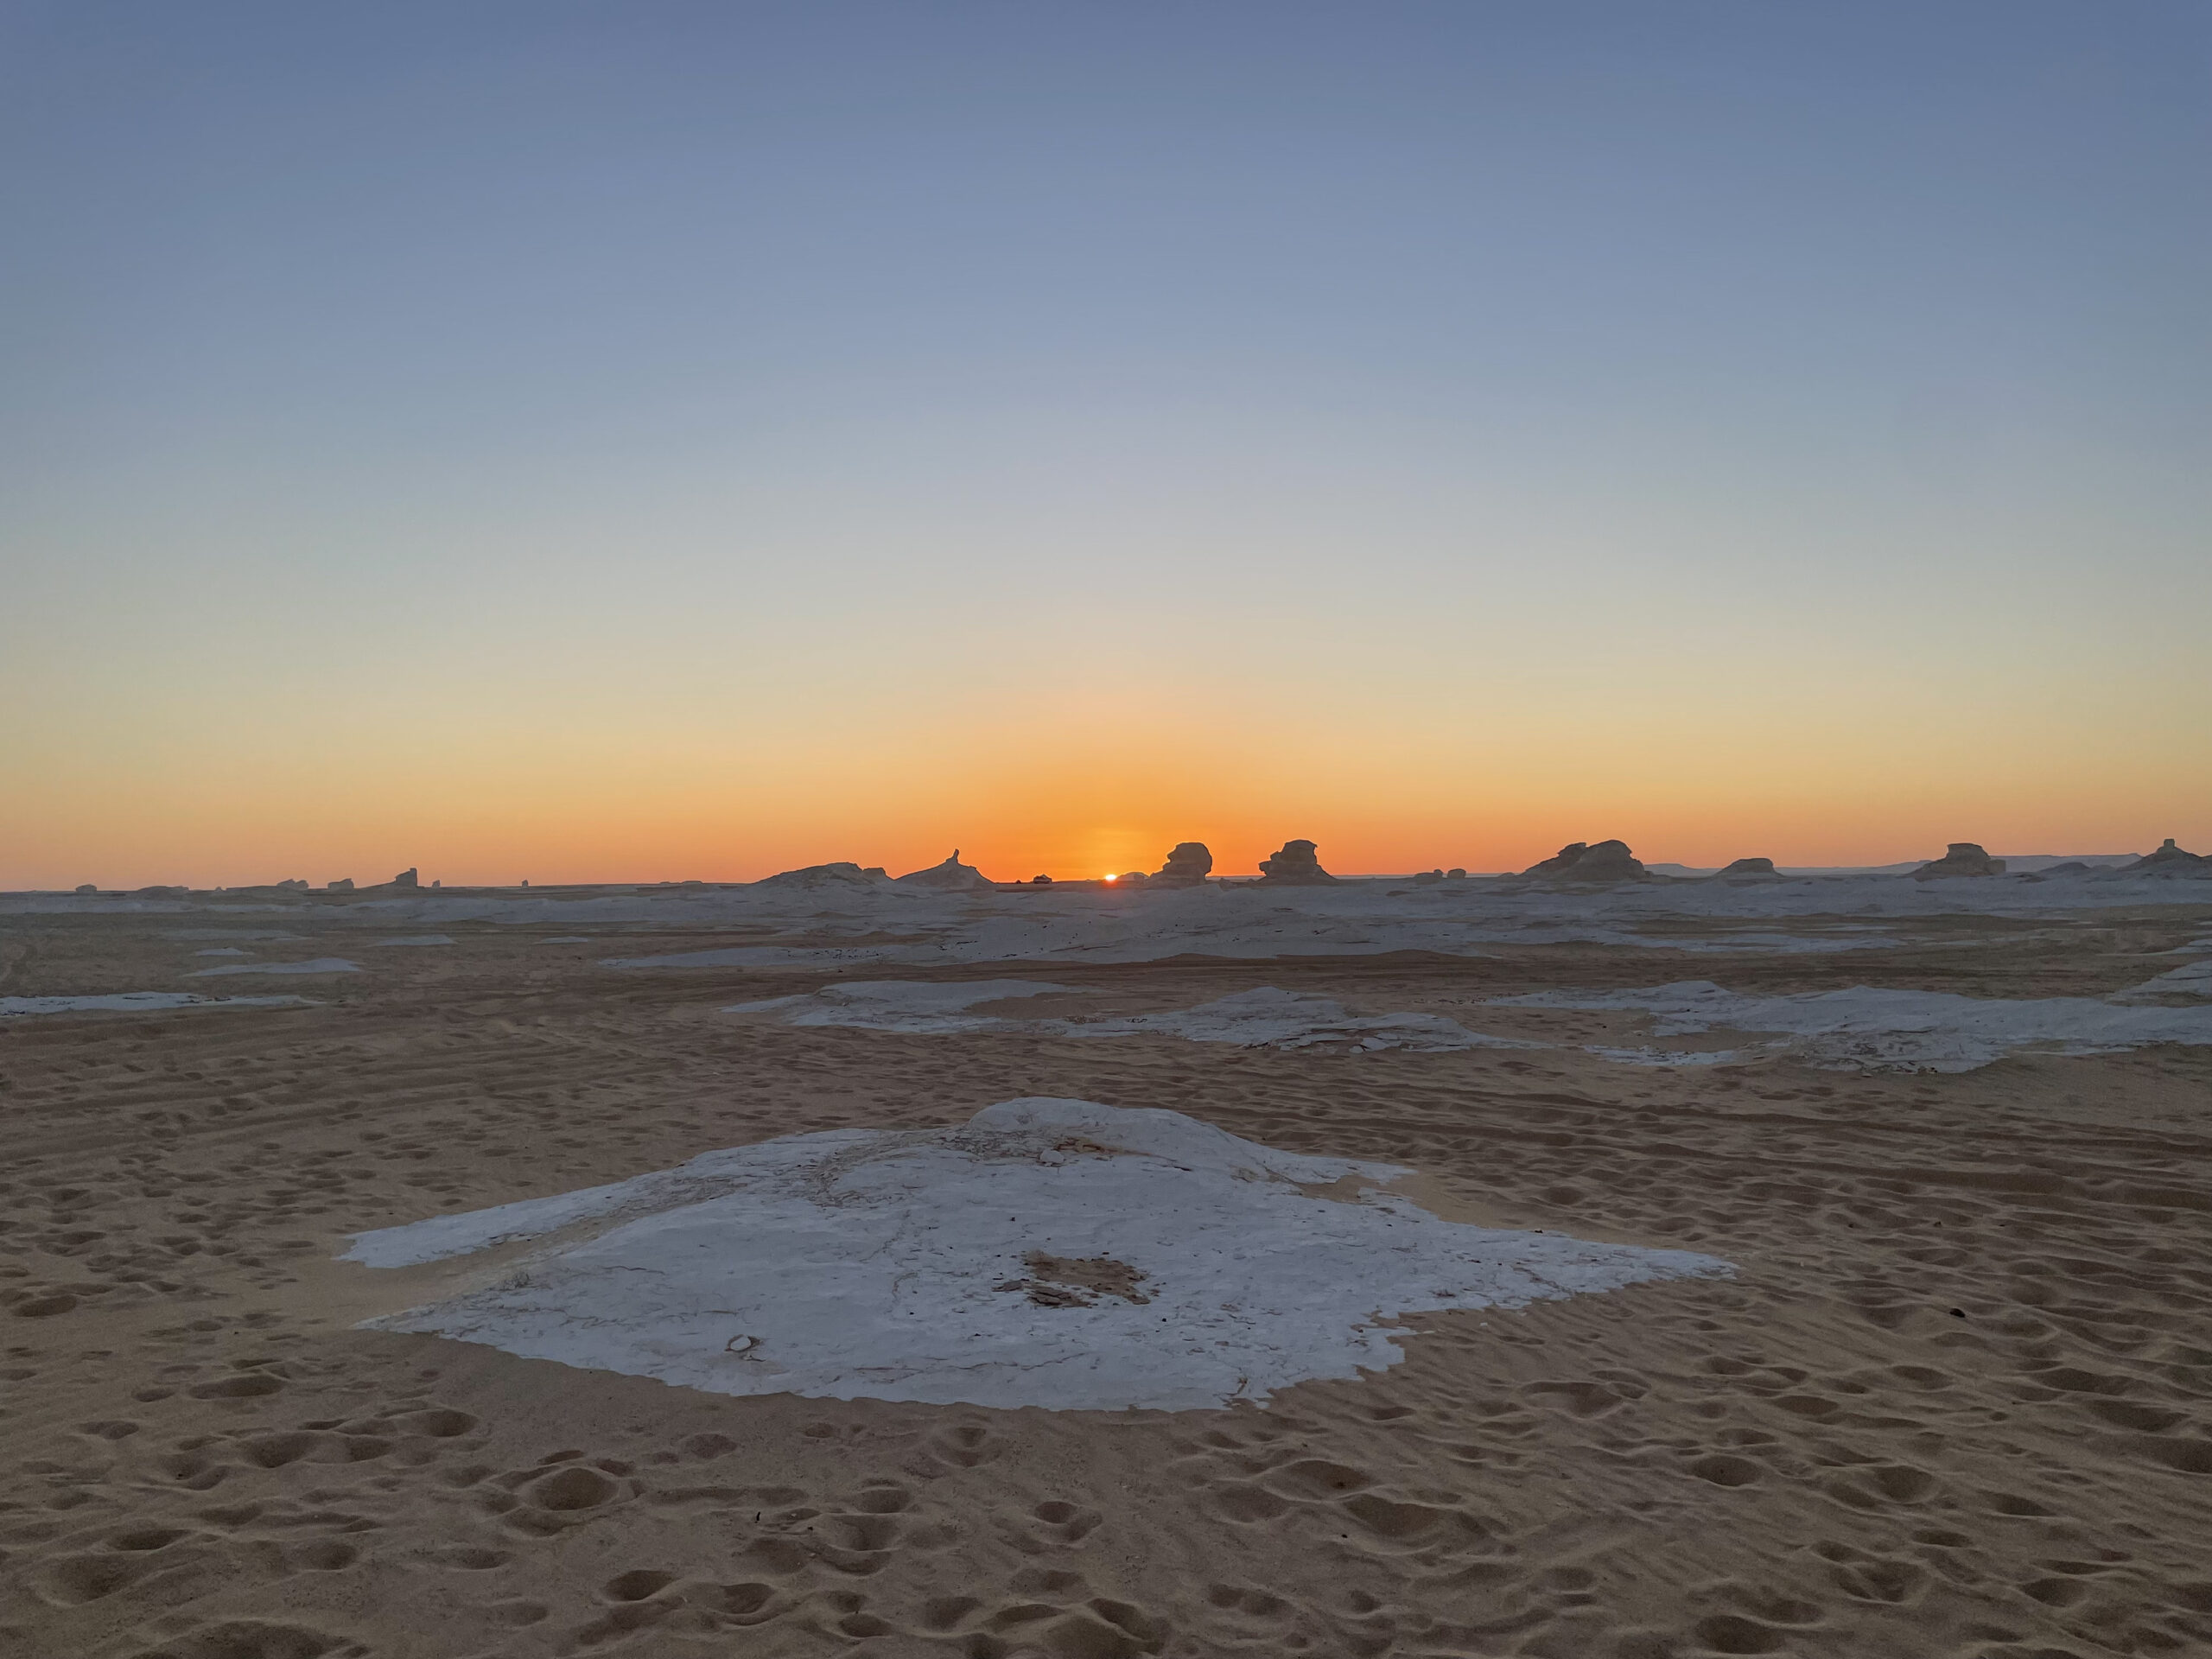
point(344, 884)
point(951, 876)
point(1186, 867)
point(407, 878)
point(2171, 860)
point(1295, 865)
point(1965, 858)
point(1580, 860)
point(1744, 867)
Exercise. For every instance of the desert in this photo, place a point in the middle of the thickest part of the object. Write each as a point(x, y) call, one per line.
point(1889, 1337)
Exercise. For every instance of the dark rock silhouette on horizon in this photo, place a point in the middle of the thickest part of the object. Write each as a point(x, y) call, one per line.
point(1965, 858)
point(407, 878)
point(89, 890)
point(951, 876)
point(1581, 861)
point(2169, 860)
point(1188, 865)
point(1295, 865)
point(1744, 867)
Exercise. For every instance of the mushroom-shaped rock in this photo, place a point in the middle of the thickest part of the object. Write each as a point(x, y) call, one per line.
point(2171, 860)
point(951, 876)
point(1748, 867)
point(1186, 867)
point(1295, 865)
point(1965, 858)
point(1580, 860)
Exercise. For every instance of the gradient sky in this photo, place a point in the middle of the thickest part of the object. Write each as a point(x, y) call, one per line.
point(656, 441)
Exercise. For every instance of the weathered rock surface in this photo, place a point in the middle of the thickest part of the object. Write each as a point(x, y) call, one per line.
point(951, 876)
point(1748, 867)
point(1186, 867)
point(1580, 860)
point(1965, 858)
point(2171, 860)
point(842, 874)
point(1295, 865)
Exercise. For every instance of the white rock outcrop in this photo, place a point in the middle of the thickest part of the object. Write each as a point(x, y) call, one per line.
point(1047, 1252)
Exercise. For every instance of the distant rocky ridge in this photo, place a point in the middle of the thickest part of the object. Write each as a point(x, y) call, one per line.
point(1965, 858)
point(1579, 861)
point(1295, 865)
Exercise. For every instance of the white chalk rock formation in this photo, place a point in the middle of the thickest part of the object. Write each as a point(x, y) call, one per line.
point(408, 879)
point(1051, 1253)
point(951, 876)
point(1582, 861)
point(1965, 858)
point(2171, 860)
point(1296, 866)
point(814, 877)
point(1749, 869)
point(1187, 866)
point(343, 884)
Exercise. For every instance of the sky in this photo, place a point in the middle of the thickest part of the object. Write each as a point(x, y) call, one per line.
point(589, 443)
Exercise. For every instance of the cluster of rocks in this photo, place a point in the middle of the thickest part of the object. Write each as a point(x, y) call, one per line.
point(1295, 865)
point(1965, 858)
point(1430, 878)
point(1582, 861)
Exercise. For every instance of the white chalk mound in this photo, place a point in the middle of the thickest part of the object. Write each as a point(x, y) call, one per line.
point(1865, 1029)
point(1052, 1253)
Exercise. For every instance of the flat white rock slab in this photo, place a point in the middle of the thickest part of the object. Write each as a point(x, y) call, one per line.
point(1862, 1028)
point(140, 1002)
point(319, 965)
point(1264, 1018)
point(896, 1265)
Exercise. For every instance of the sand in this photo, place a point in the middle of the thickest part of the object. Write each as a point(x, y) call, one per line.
point(1952, 1401)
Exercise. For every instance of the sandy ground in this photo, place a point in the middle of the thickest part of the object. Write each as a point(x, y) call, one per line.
point(1957, 1401)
